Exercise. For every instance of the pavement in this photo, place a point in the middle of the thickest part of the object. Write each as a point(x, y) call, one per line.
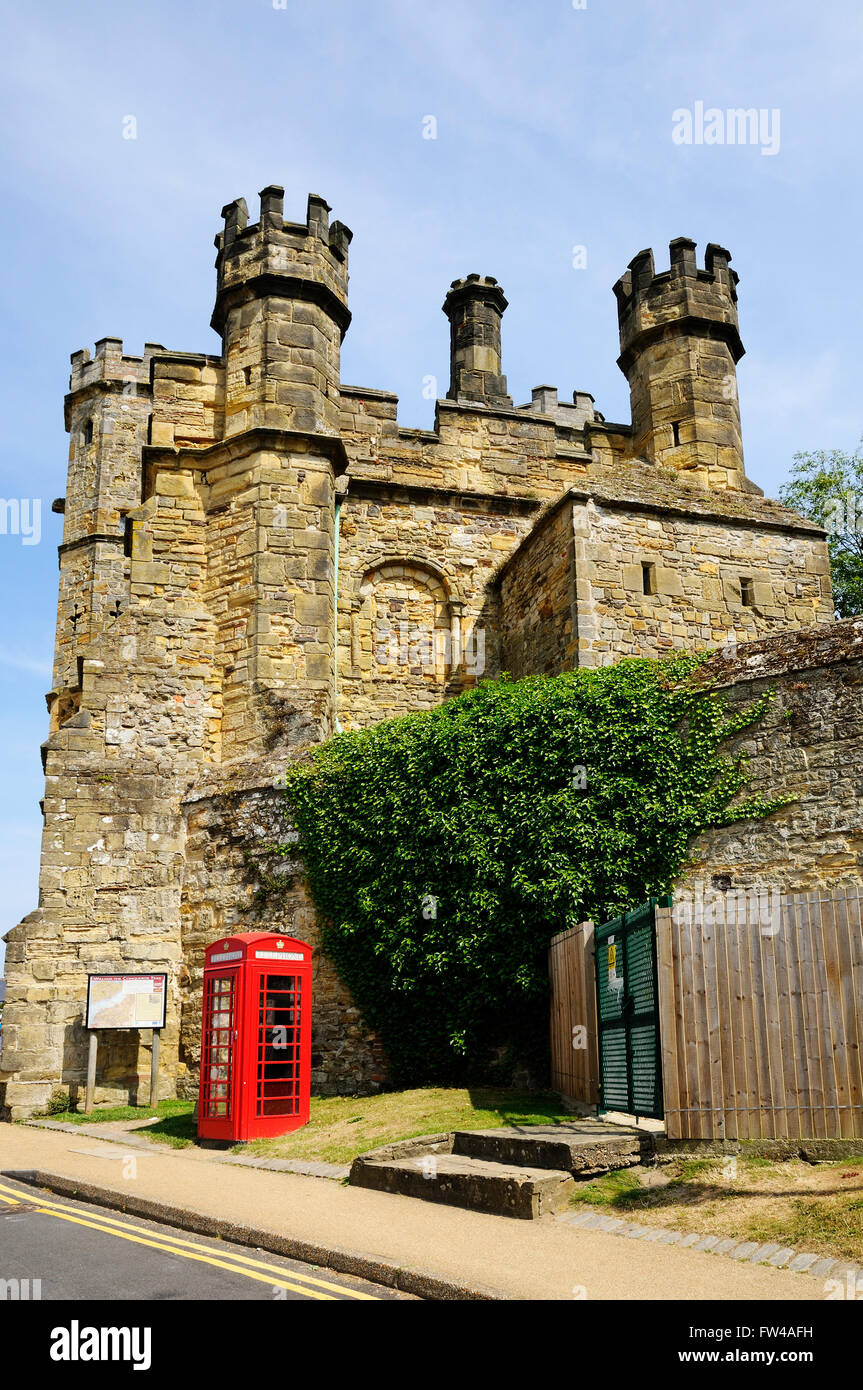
point(420, 1248)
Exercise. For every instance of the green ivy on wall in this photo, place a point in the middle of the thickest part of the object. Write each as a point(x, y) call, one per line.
point(444, 849)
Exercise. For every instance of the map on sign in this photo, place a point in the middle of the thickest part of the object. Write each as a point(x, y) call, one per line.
point(126, 1001)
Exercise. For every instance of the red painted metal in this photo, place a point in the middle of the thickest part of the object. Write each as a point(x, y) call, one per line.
point(256, 1037)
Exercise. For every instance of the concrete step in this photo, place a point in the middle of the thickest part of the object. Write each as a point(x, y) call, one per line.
point(583, 1148)
point(502, 1189)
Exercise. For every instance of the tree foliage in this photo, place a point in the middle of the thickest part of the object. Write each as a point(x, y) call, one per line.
point(827, 487)
point(445, 848)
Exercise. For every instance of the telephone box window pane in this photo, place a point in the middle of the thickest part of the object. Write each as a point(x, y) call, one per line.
point(217, 1047)
point(278, 1070)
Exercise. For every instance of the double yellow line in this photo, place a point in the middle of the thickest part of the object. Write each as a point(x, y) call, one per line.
point(264, 1273)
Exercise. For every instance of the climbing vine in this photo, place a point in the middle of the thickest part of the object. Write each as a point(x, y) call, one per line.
point(443, 849)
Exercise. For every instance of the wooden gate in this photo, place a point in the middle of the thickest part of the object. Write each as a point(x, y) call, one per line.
point(574, 1058)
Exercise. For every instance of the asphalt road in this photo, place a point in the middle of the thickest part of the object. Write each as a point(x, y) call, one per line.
point(78, 1251)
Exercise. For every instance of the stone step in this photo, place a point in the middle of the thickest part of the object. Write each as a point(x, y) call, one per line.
point(499, 1188)
point(581, 1148)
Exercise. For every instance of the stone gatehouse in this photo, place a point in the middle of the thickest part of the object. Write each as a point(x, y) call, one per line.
point(256, 553)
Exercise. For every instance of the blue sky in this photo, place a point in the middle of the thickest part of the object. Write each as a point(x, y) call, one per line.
point(554, 130)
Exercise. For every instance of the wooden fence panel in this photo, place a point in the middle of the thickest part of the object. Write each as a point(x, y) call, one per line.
point(760, 1015)
point(574, 1068)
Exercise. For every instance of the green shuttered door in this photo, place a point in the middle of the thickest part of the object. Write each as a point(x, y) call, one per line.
point(628, 1014)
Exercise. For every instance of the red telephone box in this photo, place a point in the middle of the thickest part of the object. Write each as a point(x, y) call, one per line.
point(256, 1037)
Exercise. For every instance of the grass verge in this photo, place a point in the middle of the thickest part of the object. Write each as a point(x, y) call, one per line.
point(340, 1127)
point(807, 1206)
point(174, 1123)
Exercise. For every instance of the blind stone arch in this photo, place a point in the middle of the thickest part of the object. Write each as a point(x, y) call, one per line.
point(404, 619)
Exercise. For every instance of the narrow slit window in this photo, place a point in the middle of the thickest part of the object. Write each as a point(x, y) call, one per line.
point(87, 433)
point(648, 579)
point(675, 430)
point(747, 593)
point(127, 536)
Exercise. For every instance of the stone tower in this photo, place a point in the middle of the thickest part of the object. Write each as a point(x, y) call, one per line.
point(680, 345)
point(282, 312)
point(107, 415)
point(281, 309)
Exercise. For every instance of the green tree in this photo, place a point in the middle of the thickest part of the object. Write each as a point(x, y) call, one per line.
point(443, 849)
point(827, 487)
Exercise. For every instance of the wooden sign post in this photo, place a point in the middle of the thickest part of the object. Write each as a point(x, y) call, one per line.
point(154, 1069)
point(91, 1073)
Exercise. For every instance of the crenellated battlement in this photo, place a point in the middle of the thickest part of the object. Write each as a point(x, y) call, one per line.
point(696, 298)
point(480, 285)
point(641, 279)
point(109, 364)
point(298, 259)
point(238, 228)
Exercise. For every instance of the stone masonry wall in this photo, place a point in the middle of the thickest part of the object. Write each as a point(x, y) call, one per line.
point(809, 746)
point(188, 399)
point(695, 568)
point(538, 601)
point(418, 615)
point(473, 449)
point(231, 823)
point(644, 570)
point(112, 855)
